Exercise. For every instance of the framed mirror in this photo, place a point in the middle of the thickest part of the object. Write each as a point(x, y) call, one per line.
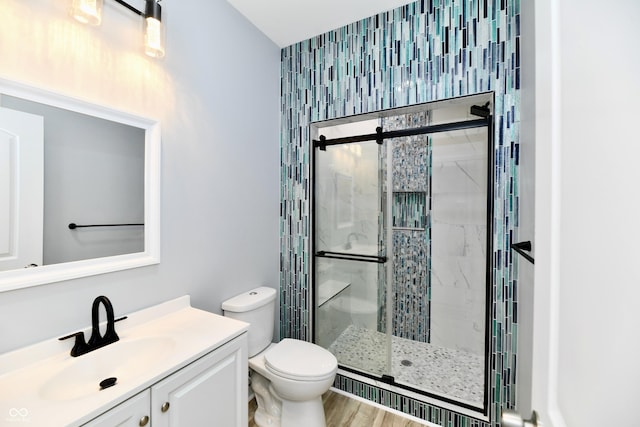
point(79, 188)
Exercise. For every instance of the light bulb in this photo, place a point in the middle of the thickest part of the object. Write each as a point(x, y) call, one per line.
point(87, 11)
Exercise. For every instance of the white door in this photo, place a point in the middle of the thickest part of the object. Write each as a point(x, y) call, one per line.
point(586, 337)
point(21, 189)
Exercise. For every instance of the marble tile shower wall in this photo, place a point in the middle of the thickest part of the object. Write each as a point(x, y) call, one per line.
point(425, 51)
point(459, 234)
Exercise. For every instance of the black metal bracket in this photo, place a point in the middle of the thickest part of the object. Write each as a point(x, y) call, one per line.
point(322, 144)
point(480, 110)
point(521, 247)
point(388, 379)
point(380, 138)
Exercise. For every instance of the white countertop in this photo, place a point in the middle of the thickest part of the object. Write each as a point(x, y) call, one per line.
point(177, 334)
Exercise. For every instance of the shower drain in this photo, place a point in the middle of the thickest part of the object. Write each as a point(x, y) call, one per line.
point(406, 362)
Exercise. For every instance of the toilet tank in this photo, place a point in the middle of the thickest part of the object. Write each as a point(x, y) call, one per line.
point(256, 307)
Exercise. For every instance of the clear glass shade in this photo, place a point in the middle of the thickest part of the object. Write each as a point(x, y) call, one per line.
point(87, 11)
point(153, 38)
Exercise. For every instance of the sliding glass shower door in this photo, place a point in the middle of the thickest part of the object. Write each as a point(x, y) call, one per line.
point(349, 255)
point(402, 251)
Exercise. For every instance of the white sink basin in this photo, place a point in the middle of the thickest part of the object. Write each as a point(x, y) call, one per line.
point(52, 388)
point(125, 360)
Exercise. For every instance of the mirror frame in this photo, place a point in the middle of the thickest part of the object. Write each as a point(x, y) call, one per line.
point(27, 277)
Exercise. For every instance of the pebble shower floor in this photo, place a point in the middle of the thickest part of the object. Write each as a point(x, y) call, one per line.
point(452, 373)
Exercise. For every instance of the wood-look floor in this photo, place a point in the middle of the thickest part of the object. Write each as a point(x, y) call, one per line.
point(342, 411)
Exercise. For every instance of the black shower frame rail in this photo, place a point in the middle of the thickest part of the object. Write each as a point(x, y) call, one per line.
point(322, 143)
point(380, 135)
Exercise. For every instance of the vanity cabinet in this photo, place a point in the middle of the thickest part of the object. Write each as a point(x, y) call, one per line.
point(133, 412)
point(211, 391)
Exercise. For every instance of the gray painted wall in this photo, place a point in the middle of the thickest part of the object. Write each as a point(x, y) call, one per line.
point(216, 94)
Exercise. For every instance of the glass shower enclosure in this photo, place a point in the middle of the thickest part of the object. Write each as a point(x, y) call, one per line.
point(402, 209)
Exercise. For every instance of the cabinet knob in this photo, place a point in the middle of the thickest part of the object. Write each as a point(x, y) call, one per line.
point(165, 407)
point(144, 421)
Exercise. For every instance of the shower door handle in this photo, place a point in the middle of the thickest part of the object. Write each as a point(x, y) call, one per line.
point(352, 257)
point(521, 248)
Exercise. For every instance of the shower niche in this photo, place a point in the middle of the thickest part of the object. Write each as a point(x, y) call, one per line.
point(402, 251)
point(409, 210)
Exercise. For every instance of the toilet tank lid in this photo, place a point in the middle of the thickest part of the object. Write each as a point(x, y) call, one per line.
point(250, 300)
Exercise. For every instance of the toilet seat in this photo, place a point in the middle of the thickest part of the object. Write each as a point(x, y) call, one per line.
point(300, 360)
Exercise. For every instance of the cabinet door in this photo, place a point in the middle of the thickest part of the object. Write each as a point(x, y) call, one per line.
point(212, 391)
point(130, 413)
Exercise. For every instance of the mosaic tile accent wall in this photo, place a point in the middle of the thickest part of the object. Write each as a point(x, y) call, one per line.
point(425, 51)
point(410, 182)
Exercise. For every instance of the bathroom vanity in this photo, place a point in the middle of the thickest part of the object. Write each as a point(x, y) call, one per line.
point(174, 365)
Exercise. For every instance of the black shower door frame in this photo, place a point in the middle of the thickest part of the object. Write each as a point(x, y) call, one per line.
point(321, 144)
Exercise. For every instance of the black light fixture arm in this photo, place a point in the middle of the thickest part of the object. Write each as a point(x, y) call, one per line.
point(128, 6)
point(90, 12)
point(152, 8)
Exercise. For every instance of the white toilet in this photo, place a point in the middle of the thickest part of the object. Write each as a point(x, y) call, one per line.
point(289, 377)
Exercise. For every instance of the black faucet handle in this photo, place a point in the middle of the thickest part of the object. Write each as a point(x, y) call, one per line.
point(80, 346)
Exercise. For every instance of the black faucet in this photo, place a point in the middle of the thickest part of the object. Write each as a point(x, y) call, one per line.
point(96, 340)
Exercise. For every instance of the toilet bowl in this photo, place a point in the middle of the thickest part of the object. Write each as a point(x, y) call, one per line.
point(289, 377)
point(298, 373)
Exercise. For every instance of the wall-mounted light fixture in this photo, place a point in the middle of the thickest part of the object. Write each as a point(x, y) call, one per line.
point(87, 11)
point(90, 12)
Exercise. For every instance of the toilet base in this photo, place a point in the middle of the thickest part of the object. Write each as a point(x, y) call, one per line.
point(269, 411)
point(308, 414)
